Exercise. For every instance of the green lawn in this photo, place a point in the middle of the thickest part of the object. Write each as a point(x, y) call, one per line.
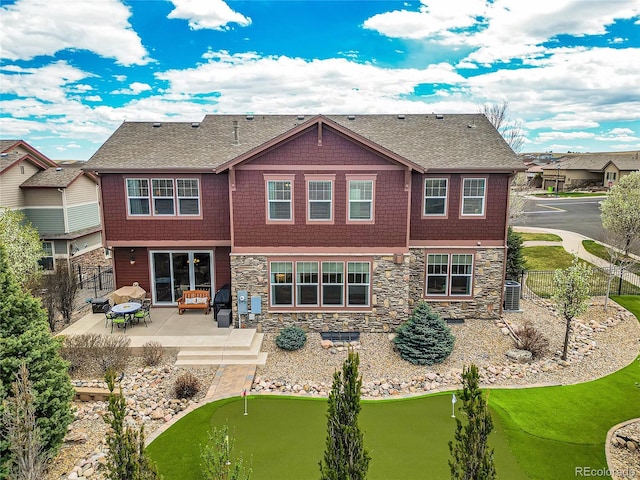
point(571, 194)
point(539, 237)
point(546, 258)
point(285, 438)
point(599, 250)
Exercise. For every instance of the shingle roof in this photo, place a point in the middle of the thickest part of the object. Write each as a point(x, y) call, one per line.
point(6, 144)
point(52, 177)
point(597, 162)
point(455, 141)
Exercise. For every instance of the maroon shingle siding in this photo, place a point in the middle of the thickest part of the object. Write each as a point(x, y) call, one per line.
point(249, 215)
point(222, 266)
point(127, 274)
point(454, 228)
point(213, 226)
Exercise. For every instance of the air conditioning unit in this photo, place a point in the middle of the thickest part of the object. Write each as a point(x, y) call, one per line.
point(511, 295)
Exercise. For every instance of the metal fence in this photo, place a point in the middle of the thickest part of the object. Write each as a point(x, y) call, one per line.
point(540, 283)
point(94, 282)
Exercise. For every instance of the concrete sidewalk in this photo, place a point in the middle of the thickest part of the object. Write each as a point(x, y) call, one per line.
point(572, 243)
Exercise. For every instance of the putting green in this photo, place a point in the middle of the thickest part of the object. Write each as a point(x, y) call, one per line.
point(284, 438)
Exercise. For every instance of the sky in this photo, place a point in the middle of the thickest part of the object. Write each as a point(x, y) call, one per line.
point(71, 71)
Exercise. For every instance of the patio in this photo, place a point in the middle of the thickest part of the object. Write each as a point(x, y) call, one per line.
point(195, 337)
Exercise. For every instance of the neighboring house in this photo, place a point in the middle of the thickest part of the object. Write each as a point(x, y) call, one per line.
point(589, 170)
point(61, 202)
point(329, 222)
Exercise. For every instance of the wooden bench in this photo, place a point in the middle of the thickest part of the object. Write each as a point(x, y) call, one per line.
point(194, 300)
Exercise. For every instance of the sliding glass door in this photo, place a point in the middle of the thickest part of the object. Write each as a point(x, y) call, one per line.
point(173, 272)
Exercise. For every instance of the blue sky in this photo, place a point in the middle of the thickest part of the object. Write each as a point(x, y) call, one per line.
point(71, 71)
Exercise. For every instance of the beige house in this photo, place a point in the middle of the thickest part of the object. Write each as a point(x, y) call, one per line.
point(61, 202)
point(592, 170)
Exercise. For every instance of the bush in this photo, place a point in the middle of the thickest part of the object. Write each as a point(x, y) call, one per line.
point(291, 338)
point(425, 338)
point(532, 340)
point(95, 352)
point(187, 385)
point(152, 353)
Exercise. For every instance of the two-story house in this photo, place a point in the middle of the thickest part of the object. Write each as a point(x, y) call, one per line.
point(335, 222)
point(60, 201)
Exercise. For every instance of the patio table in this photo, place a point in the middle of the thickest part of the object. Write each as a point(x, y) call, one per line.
point(127, 310)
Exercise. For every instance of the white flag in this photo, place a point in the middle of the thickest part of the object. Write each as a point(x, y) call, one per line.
point(454, 399)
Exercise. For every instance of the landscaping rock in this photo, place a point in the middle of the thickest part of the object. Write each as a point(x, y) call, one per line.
point(520, 356)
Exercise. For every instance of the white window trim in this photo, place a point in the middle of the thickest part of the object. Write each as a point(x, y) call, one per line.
point(449, 276)
point(292, 284)
point(361, 178)
point(445, 197)
point(367, 285)
point(279, 178)
point(187, 197)
point(483, 197)
point(469, 275)
point(330, 179)
point(154, 197)
point(298, 284)
point(136, 197)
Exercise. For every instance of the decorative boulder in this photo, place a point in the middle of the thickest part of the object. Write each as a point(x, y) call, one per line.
point(519, 356)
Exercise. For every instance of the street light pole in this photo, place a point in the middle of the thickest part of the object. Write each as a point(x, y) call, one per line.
point(557, 177)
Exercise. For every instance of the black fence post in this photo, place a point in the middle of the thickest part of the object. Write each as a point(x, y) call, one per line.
point(80, 277)
point(99, 278)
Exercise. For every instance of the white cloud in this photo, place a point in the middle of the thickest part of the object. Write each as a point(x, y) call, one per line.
point(269, 84)
point(549, 136)
point(44, 27)
point(134, 89)
point(93, 98)
point(501, 30)
point(207, 14)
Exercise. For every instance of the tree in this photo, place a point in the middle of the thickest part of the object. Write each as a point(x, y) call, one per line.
point(515, 258)
point(21, 241)
point(217, 458)
point(472, 458)
point(511, 130)
point(620, 210)
point(571, 294)
point(27, 458)
point(126, 459)
point(425, 338)
point(25, 338)
point(345, 457)
point(66, 286)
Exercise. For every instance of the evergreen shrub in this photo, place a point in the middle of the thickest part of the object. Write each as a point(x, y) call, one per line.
point(425, 338)
point(291, 338)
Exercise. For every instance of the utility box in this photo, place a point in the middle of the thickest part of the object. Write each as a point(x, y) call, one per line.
point(243, 302)
point(256, 304)
point(100, 305)
point(224, 318)
point(511, 295)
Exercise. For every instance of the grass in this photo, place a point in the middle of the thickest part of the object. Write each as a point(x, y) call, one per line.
point(539, 237)
point(546, 432)
point(546, 258)
point(599, 250)
point(571, 194)
point(284, 438)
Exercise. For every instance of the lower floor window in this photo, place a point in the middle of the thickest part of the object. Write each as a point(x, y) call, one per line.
point(46, 262)
point(449, 274)
point(320, 284)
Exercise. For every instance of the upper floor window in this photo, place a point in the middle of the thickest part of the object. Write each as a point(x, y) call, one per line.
point(320, 194)
point(138, 196)
point(435, 196)
point(473, 196)
point(163, 194)
point(360, 198)
point(188, 196)
point(279, 200)
point(46, 262)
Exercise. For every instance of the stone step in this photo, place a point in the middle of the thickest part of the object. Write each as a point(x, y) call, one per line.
point(236, 340)
point(260, 359)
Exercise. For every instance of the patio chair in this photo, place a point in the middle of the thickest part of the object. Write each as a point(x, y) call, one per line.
point(119, 320)
point(143, 314)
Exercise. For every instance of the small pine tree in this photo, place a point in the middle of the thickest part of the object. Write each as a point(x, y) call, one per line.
point(217, 462)
point(126, 459)
point(472, 458)
point(425, 338)
point(345, 456)
point(515, 258)
point(25, 338)
point(27, 459)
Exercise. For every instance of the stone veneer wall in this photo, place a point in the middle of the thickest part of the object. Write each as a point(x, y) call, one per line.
point(389, 299)
point(487, 285)
point(395, 289)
